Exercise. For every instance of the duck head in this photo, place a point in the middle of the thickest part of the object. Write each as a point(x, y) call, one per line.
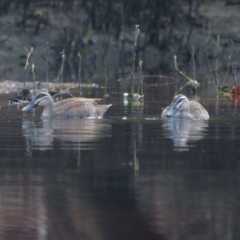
point(180, 104)
point(41, 99)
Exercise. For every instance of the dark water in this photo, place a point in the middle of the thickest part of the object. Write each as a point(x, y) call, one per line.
point(127, 176)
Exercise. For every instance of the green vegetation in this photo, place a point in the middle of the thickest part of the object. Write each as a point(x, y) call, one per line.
point(190, 81)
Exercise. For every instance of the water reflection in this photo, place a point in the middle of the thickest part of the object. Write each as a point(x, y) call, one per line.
point(20, 205)
point(184, 133)
point(190, 205)
point(110, 205)
point(76, 133)
point(49, 205)
point(130, 183)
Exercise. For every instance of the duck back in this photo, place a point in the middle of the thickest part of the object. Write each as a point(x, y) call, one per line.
point(197, 111)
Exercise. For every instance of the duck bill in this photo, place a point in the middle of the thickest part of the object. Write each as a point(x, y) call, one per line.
point(29, 106)
point(172, 111)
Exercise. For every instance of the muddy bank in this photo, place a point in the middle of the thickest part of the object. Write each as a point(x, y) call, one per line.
point(179, 28)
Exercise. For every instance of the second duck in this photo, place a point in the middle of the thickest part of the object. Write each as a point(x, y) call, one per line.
point(182, 108)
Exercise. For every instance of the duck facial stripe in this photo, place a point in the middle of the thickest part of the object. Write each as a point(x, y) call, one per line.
point(180, 101)
point(40, 95)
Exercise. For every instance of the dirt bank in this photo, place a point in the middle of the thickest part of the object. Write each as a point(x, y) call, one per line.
point(71, 31)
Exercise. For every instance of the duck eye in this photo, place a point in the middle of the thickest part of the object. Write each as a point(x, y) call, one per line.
point(40, 95)
point(180, 100)
point(175, 99)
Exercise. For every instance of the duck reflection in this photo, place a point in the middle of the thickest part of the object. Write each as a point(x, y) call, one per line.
point(184, 133)
point(73, 131)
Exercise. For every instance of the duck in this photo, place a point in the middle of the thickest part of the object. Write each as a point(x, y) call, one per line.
point(26, 96)
point(67, 108)
point(182, 108)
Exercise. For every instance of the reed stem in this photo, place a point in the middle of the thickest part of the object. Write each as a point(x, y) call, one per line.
point(79, 72)
point(134, 53)
point(140, 78)
point(234, 71)
point(33, 78)
point(105, 48)
point(60, 75)
point(29, 53)
point(47, 59)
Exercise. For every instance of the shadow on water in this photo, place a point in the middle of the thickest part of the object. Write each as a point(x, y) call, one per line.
point(127, 176)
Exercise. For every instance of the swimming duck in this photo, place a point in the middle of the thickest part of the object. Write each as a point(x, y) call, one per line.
point(26, 95)
point(67, 108)
point(182, 108)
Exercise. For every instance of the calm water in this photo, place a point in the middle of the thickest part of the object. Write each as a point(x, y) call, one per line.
point(127, 176)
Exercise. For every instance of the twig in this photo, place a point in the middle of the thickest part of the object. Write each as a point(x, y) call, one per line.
point(79, 72)
point(193, 61)
point(209, 66)
point(229, 57)
point(105, 48)
point(29, 53)
point(234, 71)
point(216, 61)
point(134, 53)
point(47, 77)
point(60, 74)
point(140, 78)
point(63, 93)
point(33, 78)
point(191, 81)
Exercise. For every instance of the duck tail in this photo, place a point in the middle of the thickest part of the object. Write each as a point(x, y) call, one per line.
point(101, 109)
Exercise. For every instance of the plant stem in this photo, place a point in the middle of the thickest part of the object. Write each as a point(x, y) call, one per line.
point(140, 80)
point(134, 53)
point(47, 76)
point(105, 48)
point(79, 72)
point(28, 57)
point(60, 75)
point(229, 57)
point(193, 62)
point(194, 83)
point(33, 78)
point(234, 71)
point(29, 53)
point(216, 61)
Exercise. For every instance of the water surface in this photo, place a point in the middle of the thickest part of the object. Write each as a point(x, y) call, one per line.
point(127, 176)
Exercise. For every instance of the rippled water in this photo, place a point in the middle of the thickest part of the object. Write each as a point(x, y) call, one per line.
point(127, 176)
